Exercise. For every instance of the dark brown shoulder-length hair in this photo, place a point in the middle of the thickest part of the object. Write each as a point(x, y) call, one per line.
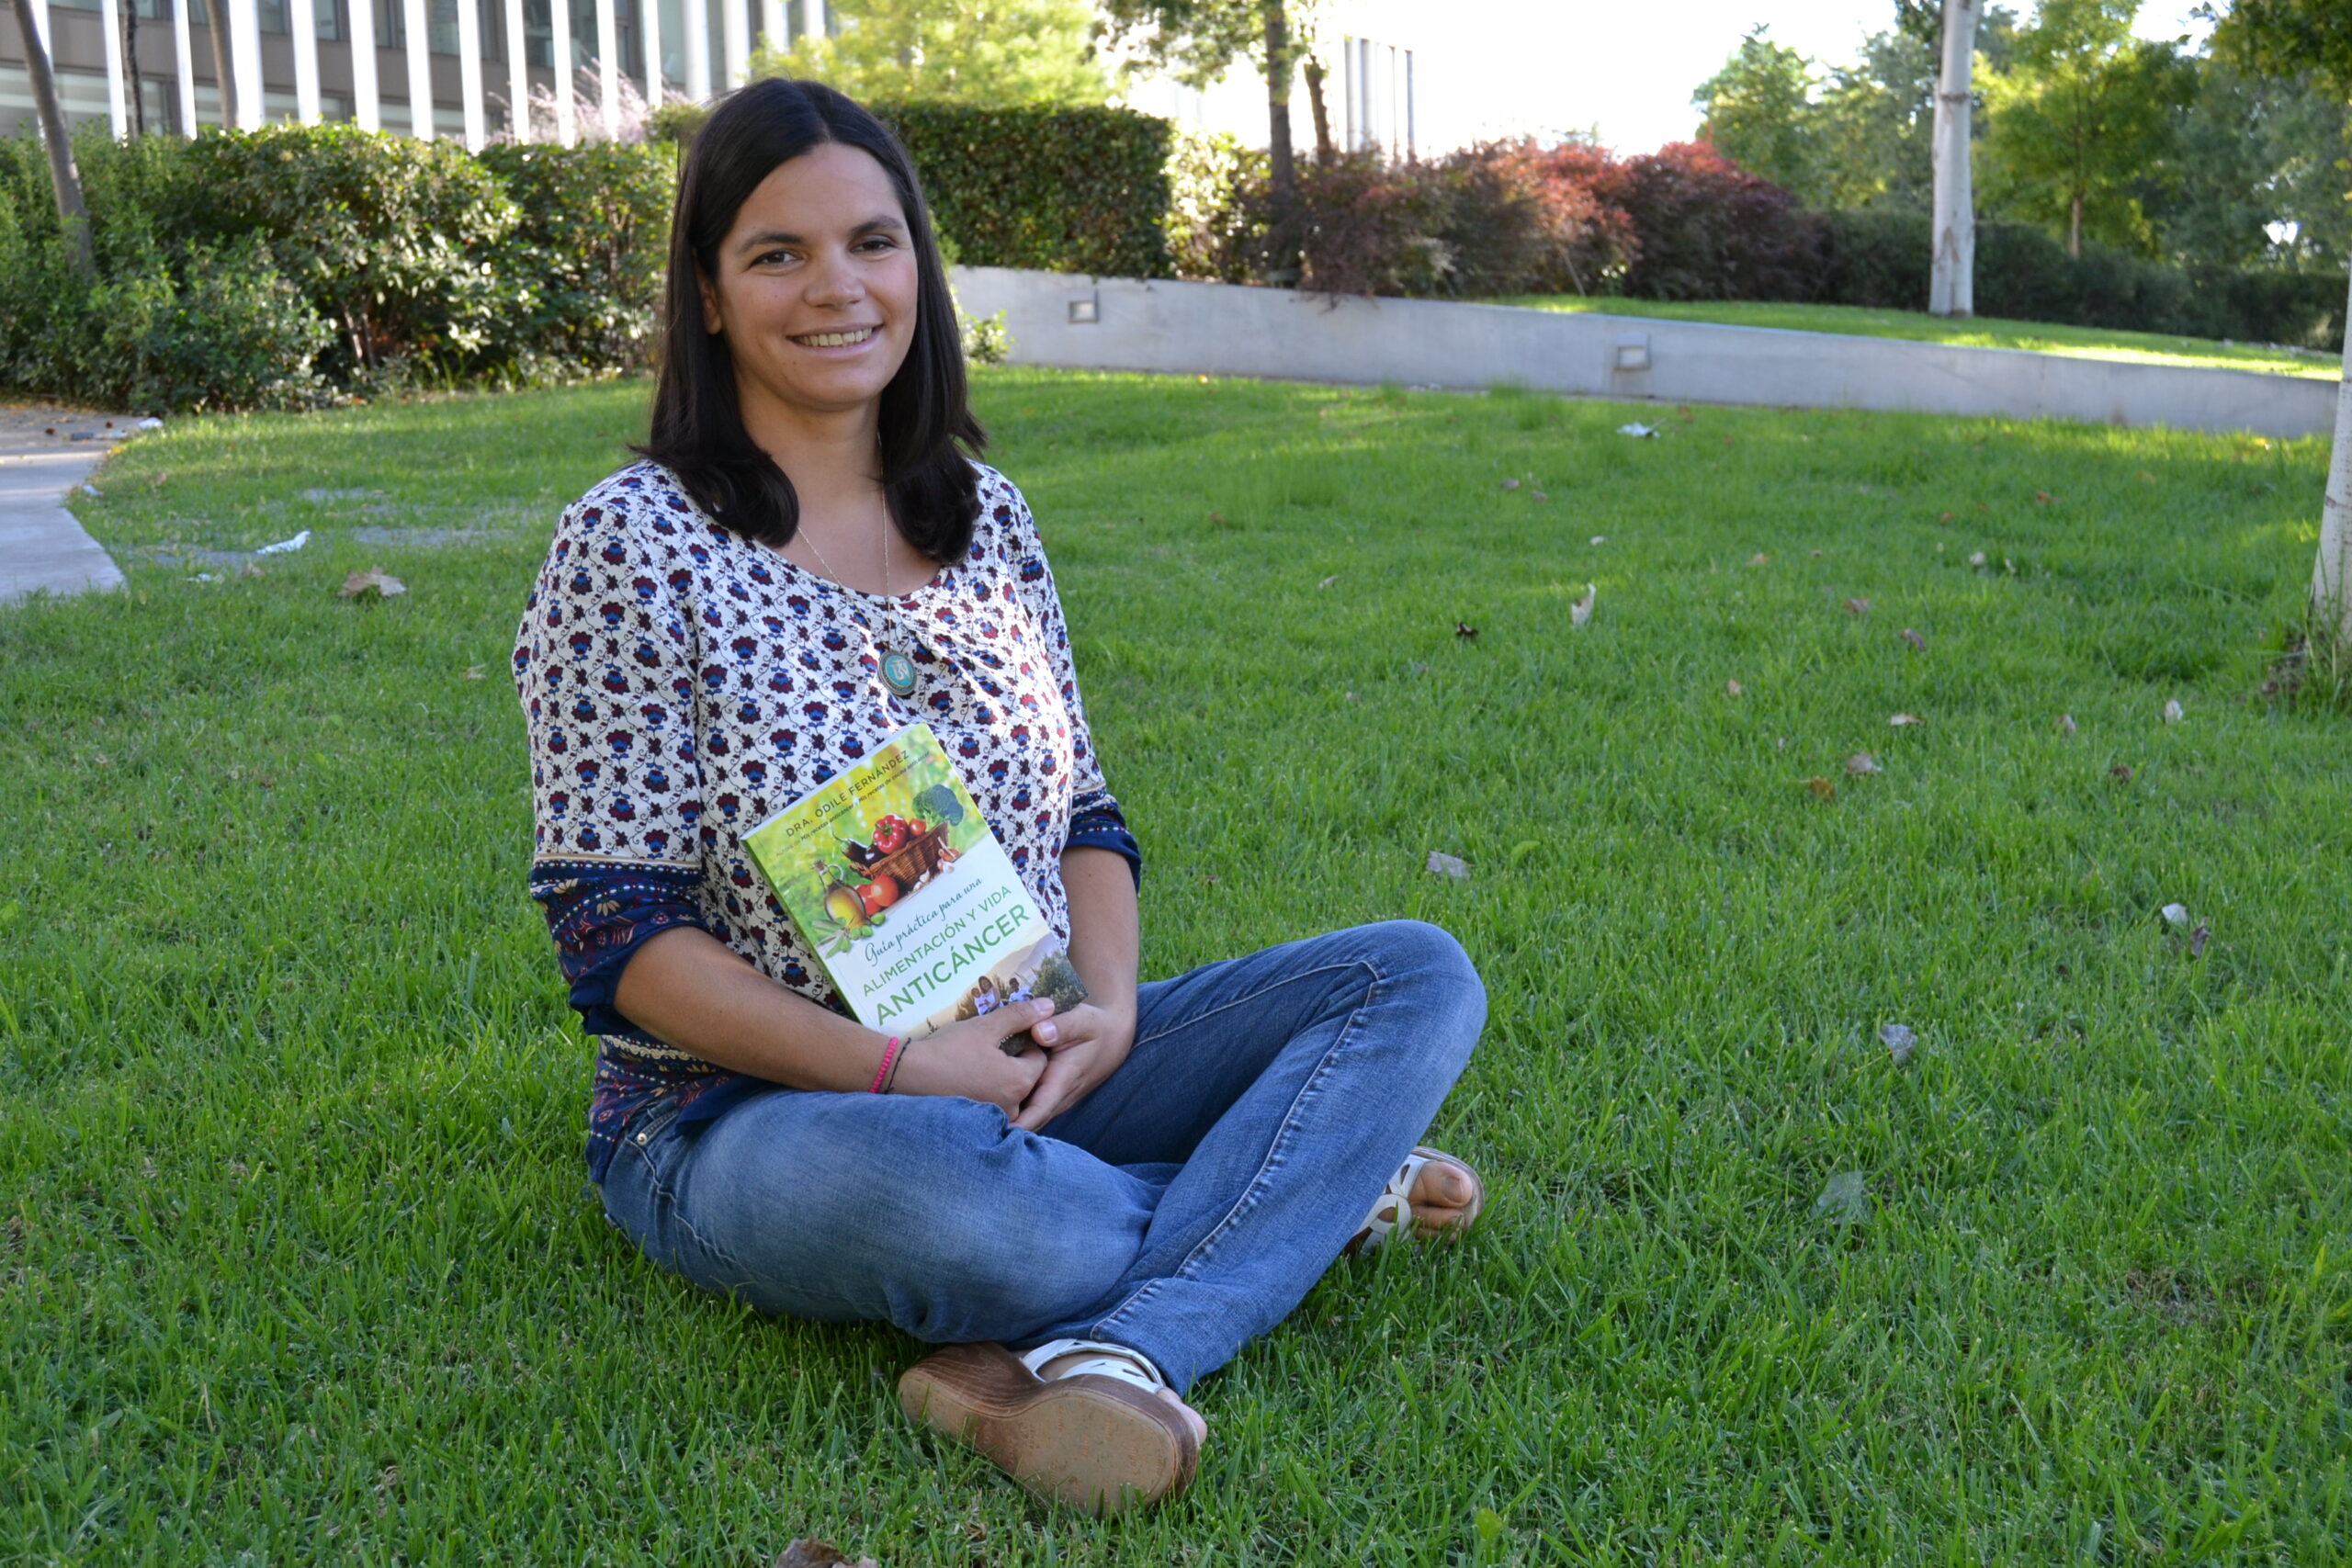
point(697, 427)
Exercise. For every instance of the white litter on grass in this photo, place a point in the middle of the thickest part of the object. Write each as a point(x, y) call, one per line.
point(2177, 915)
point(1636, 428)
point(286, 546)
point(204, 577)
point(1581, 611)
point(1442, 864)
point(89, 490)
point(149, 425)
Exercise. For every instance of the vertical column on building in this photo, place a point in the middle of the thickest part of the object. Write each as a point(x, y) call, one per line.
point(302, 23)
point(518, 74)
point(367, 110)
point(608, 69)
point(182, 53)
point(735, 24)
point(812, 19)
point(117, 107)
point(649, 32)
point(775, 32)
point(469, 72)
point(1412, 143)
point(567, 120)
point(697, 18)
point(418, 26)
point(244, 61)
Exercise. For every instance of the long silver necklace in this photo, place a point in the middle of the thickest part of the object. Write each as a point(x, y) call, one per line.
point(897, 670)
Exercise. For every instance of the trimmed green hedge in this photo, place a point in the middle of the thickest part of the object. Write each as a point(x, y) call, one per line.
point(1083, 190)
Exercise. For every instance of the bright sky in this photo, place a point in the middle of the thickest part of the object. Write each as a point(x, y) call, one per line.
point(1497, 67)
point(1628, 69)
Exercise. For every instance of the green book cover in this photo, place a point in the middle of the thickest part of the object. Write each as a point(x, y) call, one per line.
point(903, 892)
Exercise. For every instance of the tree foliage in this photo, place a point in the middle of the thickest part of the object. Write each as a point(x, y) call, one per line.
point(989, 53)
point(2082, 122)
point(2289, 38)
point(1761, 113)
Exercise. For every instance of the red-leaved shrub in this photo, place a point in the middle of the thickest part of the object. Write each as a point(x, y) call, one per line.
point(1706, 228)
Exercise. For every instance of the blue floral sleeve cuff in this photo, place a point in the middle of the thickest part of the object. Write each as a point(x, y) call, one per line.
point(1097, 823)
point(600, 915)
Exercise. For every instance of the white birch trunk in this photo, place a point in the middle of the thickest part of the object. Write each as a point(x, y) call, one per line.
point(469, 74)
point(518, 74)
point(698, 20)
point(2332, 574)
point(418, 26)
point(567, 118)
point(1951, 288)
point(302, 22)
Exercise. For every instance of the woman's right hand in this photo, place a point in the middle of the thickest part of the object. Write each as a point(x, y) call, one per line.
point(966, 1058)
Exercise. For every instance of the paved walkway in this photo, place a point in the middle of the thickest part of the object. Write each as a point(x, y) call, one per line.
point(41, 547)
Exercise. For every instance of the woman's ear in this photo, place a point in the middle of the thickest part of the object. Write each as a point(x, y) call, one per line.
point(710, 321)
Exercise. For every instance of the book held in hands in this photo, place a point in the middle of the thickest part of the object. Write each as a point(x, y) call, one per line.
point(898, 885)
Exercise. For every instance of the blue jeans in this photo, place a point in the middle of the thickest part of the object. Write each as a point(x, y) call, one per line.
point(1182, 1209)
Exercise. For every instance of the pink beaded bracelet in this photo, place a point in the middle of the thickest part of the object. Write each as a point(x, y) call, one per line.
point(882, 1073)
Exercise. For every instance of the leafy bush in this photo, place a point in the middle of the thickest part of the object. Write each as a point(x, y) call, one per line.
point(393, 240)
point(1705, 229)
point(1068, 189)
point(587, 253)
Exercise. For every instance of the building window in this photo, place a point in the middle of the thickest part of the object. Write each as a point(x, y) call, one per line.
point(441, 26)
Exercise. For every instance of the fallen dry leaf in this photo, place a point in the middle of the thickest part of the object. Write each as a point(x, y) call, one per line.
point(810, 1552)
point(1845, 1200)
point(2198, 938)
point(1329, 580)
point(1541, 496)
point(1944, 517)
point(1976, 560)
point(1217, 516)
point(375, 580)
point(1814, 554)
point(1510, 484)
point(1733, 688)
point(2042, 497)
point(2065, 724)
point(1822, 788)
point(1464, 630)
point(2176, 915)
point(1758, 559)
point(2172, 711)
point(1862, 763)
point(1442, 864)
point(1581, 611)
point(1858, 606)
point(1913, 638)
point(473, 672)
point(1904, 720)
point(2120, 773)
point(2146, 477)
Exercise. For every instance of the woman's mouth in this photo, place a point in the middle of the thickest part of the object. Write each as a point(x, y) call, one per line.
point(850, 339)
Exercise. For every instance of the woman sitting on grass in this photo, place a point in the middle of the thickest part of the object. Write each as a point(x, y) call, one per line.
point(1093, 1223)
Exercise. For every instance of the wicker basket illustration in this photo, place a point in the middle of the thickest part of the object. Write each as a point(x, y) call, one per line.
point(915, 861)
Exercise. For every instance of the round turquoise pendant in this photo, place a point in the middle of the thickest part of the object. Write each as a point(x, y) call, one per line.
point(899, 674)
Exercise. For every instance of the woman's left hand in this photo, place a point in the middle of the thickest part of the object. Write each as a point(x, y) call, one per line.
point(1084, 1046)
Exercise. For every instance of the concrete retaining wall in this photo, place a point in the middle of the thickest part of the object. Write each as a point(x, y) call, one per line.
point(1223, 329)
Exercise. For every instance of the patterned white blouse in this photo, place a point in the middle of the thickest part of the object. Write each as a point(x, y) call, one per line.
point(681, 685)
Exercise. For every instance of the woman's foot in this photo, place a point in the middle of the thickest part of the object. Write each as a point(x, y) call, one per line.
point(1434, 1193)
point(1086, 1424)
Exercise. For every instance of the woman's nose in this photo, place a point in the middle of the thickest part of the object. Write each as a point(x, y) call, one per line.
point(835, 282)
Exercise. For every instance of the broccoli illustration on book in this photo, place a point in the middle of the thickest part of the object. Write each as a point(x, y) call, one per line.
point(903, 892)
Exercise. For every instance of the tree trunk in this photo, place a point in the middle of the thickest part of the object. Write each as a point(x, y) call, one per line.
point(2075, 226)
point(2332, 575)
point(131, 67)
point(1951, 288)
point(73, 215)
point(1282, 171)
point(216, 26)
point(1324, 151)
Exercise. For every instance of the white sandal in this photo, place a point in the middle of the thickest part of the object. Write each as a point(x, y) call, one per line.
point(1096, 1433)
point(1392, 1212)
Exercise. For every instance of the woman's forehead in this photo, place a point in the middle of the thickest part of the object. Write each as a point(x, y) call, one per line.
point(827, 186)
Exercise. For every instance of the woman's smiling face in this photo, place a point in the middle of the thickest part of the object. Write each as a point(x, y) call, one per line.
point(816, 285)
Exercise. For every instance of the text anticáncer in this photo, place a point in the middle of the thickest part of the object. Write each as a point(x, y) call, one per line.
point(972, 937)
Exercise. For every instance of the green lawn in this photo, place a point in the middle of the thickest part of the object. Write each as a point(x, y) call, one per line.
point(297, 1261)
point(1917, 326)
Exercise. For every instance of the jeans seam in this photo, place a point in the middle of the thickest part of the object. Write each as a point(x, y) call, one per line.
point(1277, 985)
point(666, 1198)
point(1202, 1249)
